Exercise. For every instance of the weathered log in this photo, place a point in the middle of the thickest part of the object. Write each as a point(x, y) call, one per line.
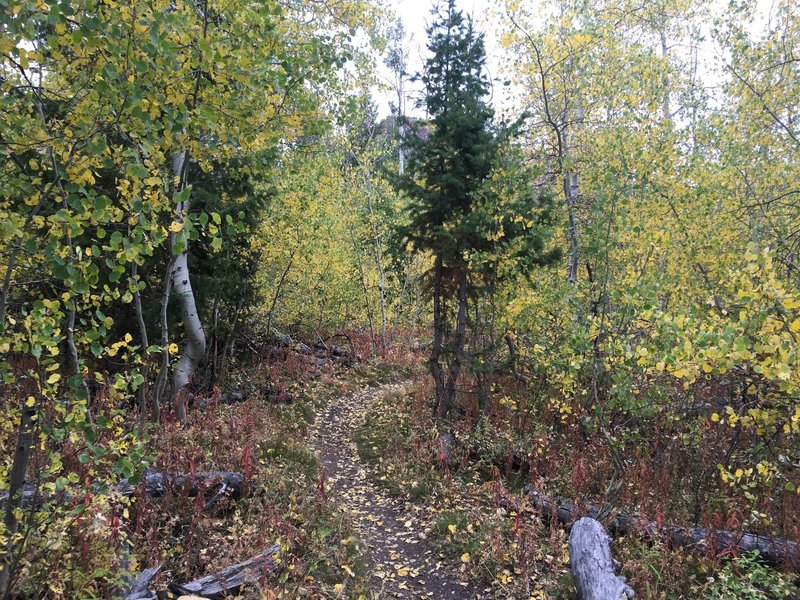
point(593, 567)
point(139, 590)
point(232, 485)
point(281, 339)
point(234, 397)
point(774, 551)
point(231, 579)
point(302, 348)
point(327, 351)
point(268, 392)
point(226, 483)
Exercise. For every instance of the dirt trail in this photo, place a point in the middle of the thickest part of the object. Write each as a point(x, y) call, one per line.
point(404, 564)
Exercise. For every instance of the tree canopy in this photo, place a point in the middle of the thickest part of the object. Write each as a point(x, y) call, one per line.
point(216, 216)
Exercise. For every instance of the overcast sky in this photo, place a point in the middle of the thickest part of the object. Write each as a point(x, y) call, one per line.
point(416, 14)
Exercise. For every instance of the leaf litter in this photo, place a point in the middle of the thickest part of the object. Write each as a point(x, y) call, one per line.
point(404, 564)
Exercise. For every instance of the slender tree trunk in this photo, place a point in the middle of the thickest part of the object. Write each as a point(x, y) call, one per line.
point(163, 372)
point(382, 290)
point(571, 194)
point(438, 335)
point(401, 116)
point(365, 287)
point(381, 273)
point(195, 339)
point(278, 290)
point(665, 81)
point(228, 344)
point(137, 305)
point(195, 344)
point(73, 357)
point(212, 358)
point(460, 343)
point(16, 480)
point(403, 291)
point(12, 263)
point(401, 151)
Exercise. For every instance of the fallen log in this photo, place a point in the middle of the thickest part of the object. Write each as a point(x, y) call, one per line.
point(139, 590)
point(269, 392)
point(228, 581)
point(594, 570)
point(774, 551)
point(234, 397)
point(225, 484)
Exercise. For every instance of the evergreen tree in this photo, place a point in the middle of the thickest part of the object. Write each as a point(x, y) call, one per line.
point(450, 158)
point(468, 223)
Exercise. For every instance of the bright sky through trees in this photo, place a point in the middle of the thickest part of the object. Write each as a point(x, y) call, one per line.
point(488, 17)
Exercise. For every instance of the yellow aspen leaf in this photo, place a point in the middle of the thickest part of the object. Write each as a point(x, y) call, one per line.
point(30, 402)
point(452, 528)
point(465, 557)
point(54, 378)
point(175, 227)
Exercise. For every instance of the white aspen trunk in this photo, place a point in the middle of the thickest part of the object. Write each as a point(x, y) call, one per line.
point(195, 339)
point(571, 194)
point(401, 153)
point(665, 81)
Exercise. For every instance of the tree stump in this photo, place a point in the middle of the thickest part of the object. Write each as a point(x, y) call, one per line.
point(593, 568)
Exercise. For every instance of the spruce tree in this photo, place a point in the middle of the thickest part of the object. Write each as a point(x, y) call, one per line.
point(455, 210)
point(450, 158)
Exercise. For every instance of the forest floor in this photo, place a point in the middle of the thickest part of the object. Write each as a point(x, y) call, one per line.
point(404, 564)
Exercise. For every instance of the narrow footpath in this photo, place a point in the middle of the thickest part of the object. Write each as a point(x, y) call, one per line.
point(404, 563)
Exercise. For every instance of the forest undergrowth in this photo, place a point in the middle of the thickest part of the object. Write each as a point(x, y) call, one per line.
point(522, 554)
point(90, 546)
point(576, 236)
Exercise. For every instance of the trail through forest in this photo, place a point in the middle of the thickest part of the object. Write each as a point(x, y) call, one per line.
point(403, 562)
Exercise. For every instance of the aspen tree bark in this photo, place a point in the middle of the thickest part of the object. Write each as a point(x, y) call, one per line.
point(195, 339)
point(665, 110)
point(571, 185)
point(161, 379)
